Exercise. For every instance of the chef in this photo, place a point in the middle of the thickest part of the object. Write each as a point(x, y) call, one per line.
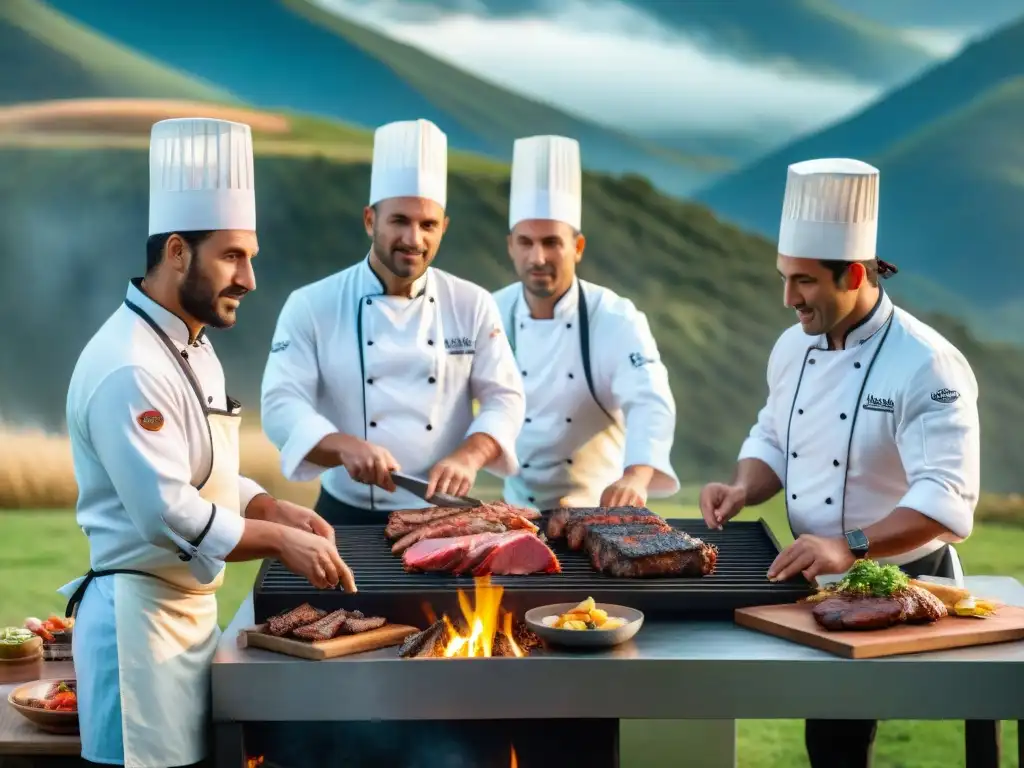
point(154, 439)
point(375, 368)
point(600, 416)
point(870, 429)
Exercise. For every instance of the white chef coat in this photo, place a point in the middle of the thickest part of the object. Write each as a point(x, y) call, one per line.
point(890, 420)
point(574, 445)
point(138, 502)
point(399, 372)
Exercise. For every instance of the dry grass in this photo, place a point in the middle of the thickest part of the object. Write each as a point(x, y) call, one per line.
point(125, 116)
point(36, 470)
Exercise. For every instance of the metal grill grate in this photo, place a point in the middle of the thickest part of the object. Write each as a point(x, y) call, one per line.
point(746, 549)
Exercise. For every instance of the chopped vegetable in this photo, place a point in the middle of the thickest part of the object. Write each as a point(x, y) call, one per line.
point(15, 636)
point(869, 578)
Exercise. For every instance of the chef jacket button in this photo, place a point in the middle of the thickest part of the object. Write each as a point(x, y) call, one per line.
point(828, 500)
point(568, 325)
point(856, 365)
point(369, 381)
point(429, 427)
point(835, 462)
point(842, 415)
point(794, 495)
point(431, 379)
point(430, 342)
point(373, 423)
point(523, 372)
point(526, 466)
point(801, 411)
point(184, 353)
point(369, 343)
point(571, 376)
point(522, 325)
point(794, 454)
point(530, 499)
point(528, 420)
point(811, 361)
point(568, 420)
point(209, 399)
point(368, 302)
point(568, 461)
point(431, 299)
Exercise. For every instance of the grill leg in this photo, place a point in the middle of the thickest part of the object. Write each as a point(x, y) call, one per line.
point(659, 743)
point(228, 745)
point(983, 743)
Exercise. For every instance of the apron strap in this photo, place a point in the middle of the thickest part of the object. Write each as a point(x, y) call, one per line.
point(79, 593)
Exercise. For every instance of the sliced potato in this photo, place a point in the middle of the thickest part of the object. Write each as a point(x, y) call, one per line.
point(598, 616)
point(613, 623)
point(574, 624)
point(550, 621)
point(585, 607)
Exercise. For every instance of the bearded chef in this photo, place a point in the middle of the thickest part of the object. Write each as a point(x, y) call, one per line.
point(600, 416)
point(154, 438)
point(871, 424)
point(375, 368)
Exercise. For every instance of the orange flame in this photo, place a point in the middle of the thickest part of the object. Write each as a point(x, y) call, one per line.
point(253, 762)
point(482, 623)
point(515, 762)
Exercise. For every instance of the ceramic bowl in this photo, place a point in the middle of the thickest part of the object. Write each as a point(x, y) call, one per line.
point(585, 638)
point(44, 719)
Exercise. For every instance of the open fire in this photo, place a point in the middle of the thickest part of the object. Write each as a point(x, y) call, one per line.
point(484, 630)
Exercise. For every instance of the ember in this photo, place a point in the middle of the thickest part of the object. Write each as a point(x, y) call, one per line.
point(484, 630)
point(253, 762)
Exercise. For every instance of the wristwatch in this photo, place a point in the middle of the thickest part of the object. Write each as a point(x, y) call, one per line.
point(858, 543)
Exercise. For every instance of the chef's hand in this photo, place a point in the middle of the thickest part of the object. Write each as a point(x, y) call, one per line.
point(303, 518)
point(367, 463)
point(452, 475)
point(720, 503)
point(625, 492)
point(306, 554)
point(812, 556)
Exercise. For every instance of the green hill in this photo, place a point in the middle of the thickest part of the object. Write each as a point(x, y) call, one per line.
point(74, 223)
point(44, 55)
point(293, 55)
point(951, 154)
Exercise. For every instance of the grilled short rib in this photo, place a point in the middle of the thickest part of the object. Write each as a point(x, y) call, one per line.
point(404, 521)
point(642, 554)
point(909, 605)
point(564, 517)
point(285, 623)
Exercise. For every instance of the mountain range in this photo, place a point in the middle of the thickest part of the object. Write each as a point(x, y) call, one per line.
point(950, 150)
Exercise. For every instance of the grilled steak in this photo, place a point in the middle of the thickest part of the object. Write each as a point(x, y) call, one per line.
point(576, 528)
point(354, 625)
point(286, 622)
point(404, 521)
point(429, 643)
point(562, 517)
point(514, 552)
point(663, 553)
point(463, 523)
point(910, 605)
point(324, 629)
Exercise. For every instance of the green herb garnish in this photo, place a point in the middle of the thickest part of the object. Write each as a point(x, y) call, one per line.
point(867, 577)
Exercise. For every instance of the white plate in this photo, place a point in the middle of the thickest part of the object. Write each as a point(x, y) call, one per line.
point(585, 638)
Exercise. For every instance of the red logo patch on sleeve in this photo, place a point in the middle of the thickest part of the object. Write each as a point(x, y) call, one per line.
point(151, 420)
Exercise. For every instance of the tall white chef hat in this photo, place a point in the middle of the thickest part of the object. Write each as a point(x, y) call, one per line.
point(830, 211)
point(547, 180)
point(201, 176)
point(410, 159)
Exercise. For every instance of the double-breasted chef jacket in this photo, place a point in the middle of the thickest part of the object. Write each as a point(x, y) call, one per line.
point(397, 372)
point(890, 420)
point(154, 437)
point(597, 398)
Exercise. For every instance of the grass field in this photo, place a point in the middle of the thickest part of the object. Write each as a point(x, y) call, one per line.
point(42, 549)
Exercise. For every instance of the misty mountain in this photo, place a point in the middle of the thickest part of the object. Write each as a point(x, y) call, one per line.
point(291, 54)
point(950, 150)
point(936, 14)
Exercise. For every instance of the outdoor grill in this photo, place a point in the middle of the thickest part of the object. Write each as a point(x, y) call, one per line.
point(746, 550)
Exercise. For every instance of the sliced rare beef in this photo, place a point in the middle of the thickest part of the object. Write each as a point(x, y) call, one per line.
point(324, 629)
point(354, 625)
point(514, 552)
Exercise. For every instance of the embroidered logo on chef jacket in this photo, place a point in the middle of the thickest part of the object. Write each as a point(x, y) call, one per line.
point(945, 396)
point(460, 345)
point(279, 346)
point(151, 421)
point(884, 404)
point(639, 360)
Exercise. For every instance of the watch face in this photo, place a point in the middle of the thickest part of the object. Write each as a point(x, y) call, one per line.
point(857, 540)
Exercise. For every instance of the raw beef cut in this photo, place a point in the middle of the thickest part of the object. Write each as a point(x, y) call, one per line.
point(499, 554)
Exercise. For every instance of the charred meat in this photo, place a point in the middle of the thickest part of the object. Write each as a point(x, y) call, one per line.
point(286, 622)
point(644, 555)
point(576, 528)
point(323, 629)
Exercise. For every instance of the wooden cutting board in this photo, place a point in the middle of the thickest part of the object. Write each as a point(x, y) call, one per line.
point(344, 645)
point(795, 622)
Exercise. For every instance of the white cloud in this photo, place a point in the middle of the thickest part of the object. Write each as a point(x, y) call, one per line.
point(613, 64)
point(941, 42)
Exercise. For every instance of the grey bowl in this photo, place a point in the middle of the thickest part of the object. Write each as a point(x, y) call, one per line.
point(590, 638)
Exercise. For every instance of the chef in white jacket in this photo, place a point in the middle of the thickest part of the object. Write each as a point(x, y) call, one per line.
point(375, 368)
point(871, 424)
point(154, 439)
point(600, 416)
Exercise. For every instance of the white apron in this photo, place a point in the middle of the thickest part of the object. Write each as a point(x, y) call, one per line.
point(146, 643)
